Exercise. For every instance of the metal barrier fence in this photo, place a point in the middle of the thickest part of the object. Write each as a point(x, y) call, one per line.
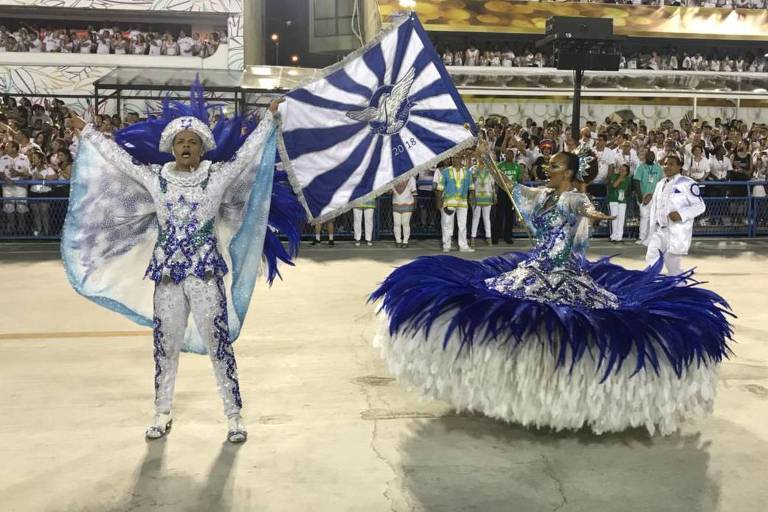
point(733, 209)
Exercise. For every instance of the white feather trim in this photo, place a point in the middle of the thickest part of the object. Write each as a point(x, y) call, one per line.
point(524, 386)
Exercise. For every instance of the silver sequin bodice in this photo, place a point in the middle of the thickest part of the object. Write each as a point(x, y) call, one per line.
point(553, 272)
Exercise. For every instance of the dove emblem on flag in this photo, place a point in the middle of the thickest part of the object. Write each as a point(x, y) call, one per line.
point(371, 121)
point(388, 108)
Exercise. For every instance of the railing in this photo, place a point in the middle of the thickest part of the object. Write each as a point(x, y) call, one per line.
point(733, 209)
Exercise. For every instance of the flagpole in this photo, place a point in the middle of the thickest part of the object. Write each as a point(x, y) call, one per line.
point(501, 180)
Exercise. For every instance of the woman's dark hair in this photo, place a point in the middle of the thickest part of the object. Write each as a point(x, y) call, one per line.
point(66, 153)
point(572, 161)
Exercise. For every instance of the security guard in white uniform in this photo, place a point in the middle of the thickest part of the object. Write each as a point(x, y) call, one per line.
point(676, 202)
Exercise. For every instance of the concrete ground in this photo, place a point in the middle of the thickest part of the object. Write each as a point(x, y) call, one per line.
point(329, 429)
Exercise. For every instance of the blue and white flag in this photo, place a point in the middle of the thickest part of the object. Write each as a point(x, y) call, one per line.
point(384, 113)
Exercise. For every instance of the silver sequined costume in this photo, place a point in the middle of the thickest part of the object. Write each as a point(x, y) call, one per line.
point(187, 264)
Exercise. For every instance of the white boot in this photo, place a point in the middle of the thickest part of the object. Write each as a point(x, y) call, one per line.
point(159, 427)
point(237, 432)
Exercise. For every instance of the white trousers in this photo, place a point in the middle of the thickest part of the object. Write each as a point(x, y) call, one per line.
point(658, 244)
point(447, 223)
point(358, 214)
point(485, 212)
point(207, 301)
point(402, 222)
point(617, 224)
point(645, 220)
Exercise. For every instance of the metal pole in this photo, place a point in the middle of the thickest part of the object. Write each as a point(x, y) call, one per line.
point(738, 107)
point(578, 74)
point(277, 53)
point(95, 102)
point(695, 107)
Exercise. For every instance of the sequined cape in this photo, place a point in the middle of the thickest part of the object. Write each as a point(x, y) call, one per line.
point(584, 309)
point(111, 229)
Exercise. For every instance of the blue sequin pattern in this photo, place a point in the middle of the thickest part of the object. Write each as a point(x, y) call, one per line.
point(186, 243)
point(159, 350)
point(224, 352)
point(553, 271)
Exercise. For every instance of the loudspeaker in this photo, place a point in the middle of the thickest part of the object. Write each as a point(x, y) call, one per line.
point(571, 59)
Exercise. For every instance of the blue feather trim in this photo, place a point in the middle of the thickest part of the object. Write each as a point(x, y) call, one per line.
point(659, 318)
point(286, 216)
point(141, 139)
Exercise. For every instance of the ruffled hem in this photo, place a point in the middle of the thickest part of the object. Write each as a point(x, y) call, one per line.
point(661, 322)
point(522, 384)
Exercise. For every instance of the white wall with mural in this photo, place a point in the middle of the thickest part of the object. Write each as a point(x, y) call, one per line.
point(77, 78)
point(517, 110)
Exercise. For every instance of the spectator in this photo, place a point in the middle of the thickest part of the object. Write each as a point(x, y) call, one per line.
point(40, 170)
point(453, 188)
point(14, 167)
point(485, 198)
point(626, 155)
point(504, 222)
point(364, 211)
point(646, 177)
point(606, 161)
point(170, 47)
point(318, 231)
point(403, 206)
point(619, 185)
point(186, 45)
point(697, 164)
point(104, 43)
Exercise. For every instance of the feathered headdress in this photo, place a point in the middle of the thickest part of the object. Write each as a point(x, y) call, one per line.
point(585, 160)
point(149, 141)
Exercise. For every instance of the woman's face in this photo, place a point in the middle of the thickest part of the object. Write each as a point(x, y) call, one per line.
point(63, 159)
point(35, 159)
point(557, 171)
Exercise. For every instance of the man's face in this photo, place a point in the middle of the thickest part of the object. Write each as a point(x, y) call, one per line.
point(188, 149)
point(671, 167)
point(11, 150)
point(600, 144)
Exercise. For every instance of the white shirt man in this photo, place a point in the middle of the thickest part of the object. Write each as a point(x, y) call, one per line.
point(35, 45)
point(52, 42)
point(85, 45)
point(186, 46)
point(719, 168)
point(627, 155)
point(606, 159)
point(15, 167)
point(676, 202)
point(104, 46)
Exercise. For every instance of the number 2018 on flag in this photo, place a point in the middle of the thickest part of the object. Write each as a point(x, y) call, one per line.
point(400, 148)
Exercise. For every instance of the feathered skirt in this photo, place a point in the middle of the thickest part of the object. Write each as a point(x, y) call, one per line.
point(600, 347)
